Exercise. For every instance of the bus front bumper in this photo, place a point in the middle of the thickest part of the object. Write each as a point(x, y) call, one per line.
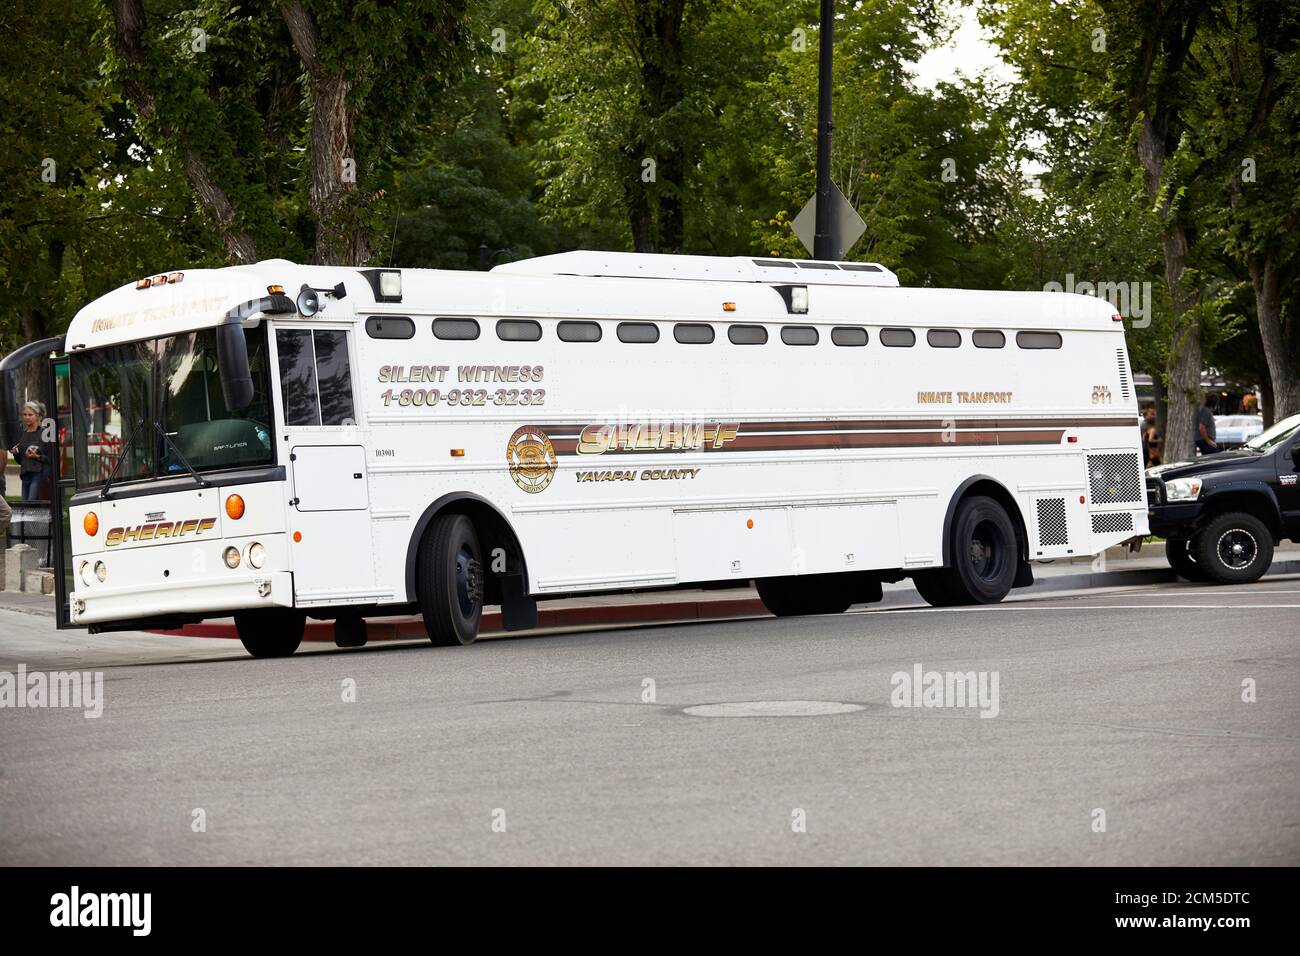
point(212, 597)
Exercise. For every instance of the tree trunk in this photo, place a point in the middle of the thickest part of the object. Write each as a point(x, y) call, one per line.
point(1184, 366)
point(128, 21)
point(1280, 348)
point(341, 236)
point(655, 211)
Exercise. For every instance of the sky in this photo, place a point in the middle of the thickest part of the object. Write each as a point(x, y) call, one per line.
point(969, 52)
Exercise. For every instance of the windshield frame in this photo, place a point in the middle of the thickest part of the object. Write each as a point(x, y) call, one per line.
point(149, 443)
point(1276, 434)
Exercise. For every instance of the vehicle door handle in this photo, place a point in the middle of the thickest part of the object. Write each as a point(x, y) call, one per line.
point(356, 474)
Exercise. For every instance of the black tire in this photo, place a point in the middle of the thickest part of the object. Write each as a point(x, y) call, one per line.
point(932, 585)
point(1234, 548)
point(449, 581)
point(1178, 551)
point(272, 631)
point(984, 556)
point(807, 594)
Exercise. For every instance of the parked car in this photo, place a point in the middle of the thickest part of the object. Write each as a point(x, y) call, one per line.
point(1233, 431)
point(1222, 514)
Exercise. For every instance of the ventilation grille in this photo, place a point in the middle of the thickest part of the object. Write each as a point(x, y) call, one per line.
point(1115, 479)
point(1052, 531)
point(1112, 522)
point(1125, 391)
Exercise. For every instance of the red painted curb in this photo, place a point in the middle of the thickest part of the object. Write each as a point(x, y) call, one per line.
point(412, 628)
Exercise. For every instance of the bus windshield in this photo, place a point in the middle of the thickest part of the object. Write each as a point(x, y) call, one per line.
point(148, 409)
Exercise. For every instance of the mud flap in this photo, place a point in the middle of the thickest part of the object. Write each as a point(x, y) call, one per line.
point(518, 610)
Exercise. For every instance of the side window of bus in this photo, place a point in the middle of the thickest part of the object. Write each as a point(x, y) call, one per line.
point(315, 376)
point(747, 334)
point(849, 336)
point(638, 332)
point(1038, 340)
point(798, 335)
point(518, 330)
point(897, 338)
point(578, 331)
point(943, 338)
point(390, 327)
point(988, 339)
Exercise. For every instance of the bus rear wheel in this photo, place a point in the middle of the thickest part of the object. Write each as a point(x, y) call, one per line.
point(984, 557)
point(806, 594)
point(271, 631)
point(449, 581)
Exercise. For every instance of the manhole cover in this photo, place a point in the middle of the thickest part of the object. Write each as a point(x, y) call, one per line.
point(773, 708)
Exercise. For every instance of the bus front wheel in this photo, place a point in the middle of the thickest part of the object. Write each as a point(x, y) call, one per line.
point(272, 631)
point(449, 582)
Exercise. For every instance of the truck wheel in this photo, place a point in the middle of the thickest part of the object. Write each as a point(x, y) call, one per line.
point(449, 581)
point(807, 594)
point(272, 631)
point(984, 557)
point(1234, 548)
point(1178, 551)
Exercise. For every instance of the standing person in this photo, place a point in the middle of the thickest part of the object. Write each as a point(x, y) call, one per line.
point(1150, 436)
point(1206, 442)
point(6, 517)
point(30, 450)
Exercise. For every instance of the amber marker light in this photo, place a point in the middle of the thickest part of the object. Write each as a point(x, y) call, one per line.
point(749, 523)
point(458, 453)
point(90, 523)
point(728, 307)
point(235, 507)
point(275, 290)
point(297, 536)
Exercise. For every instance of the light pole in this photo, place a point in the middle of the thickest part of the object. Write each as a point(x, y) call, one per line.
point(824, 228)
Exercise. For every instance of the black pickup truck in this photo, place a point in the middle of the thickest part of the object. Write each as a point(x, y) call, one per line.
point(1221, 515)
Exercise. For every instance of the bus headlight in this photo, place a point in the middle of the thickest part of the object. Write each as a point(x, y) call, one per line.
point(1183, 489)
point(256, 554)
point(231, 557)
point(87, 573)
point(101, 571)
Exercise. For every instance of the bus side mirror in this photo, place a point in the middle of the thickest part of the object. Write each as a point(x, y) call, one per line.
point(232, 362)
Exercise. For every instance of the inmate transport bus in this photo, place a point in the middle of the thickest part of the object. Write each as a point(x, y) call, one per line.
point(278, 441)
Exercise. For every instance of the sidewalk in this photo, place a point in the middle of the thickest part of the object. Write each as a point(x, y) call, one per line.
point(1117, 568)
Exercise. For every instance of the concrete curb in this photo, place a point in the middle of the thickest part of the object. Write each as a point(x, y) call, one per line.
point(606, 615)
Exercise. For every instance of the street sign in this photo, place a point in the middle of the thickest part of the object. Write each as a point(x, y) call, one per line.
point(849, 226)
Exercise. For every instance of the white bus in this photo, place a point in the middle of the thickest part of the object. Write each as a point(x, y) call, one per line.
point(338, 443)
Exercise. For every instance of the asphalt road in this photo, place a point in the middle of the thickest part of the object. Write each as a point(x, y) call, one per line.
point(1128, 702)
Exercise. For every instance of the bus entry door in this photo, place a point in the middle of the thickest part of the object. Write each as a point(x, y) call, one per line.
point(330, 524)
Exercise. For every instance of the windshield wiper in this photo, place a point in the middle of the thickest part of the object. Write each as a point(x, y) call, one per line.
point(121, 457)
point(203, 482)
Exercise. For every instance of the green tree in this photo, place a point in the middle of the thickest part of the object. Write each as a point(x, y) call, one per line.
point(286, 118)
point(84, 204)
